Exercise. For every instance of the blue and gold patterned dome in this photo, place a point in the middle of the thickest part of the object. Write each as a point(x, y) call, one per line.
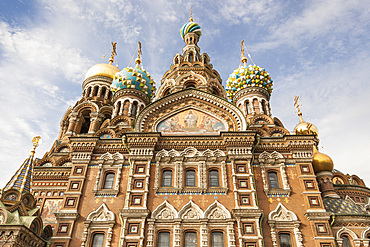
point(248, 76)
point(190, 27)
point(134, 78)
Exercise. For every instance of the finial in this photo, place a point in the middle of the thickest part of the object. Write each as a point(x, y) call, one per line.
point(114, 53)
point(191, 14)
point(36, 141)
point(244, 59)
point(138, 59)
point(296, 104)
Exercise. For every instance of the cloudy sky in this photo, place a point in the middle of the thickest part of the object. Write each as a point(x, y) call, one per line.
point(319, 50)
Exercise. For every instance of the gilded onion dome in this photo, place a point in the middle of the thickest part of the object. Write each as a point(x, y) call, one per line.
point(304, 128)
point(104, 69)
point(321, 162)
point(134, 78)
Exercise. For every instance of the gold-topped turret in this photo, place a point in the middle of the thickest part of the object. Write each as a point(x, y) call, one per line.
point(138, 59)
point(244, 59)
point(304, 128)
point(321, 162)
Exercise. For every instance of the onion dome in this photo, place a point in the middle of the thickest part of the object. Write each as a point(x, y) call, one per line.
point(321, 162)
point(134, 78)
point(304, 128)
point(102, 69)
point(190, 27)
point(248, 76)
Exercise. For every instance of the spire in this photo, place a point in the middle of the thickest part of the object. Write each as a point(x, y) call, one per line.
point(22, 179)
point(138, 59)
point(191, 14)
point(114, 52)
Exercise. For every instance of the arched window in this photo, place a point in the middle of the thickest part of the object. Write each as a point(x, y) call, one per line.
point(108, 181)
point(190, 178)
point(88, 91)
point(214, 178)
point(284, 239)
point(134, 109)
point(191, 57)
point(190, 84)
point(167, 178)
point(346, 241)
point(263, 103)
point(103, 91)
point(86, 122)
point(98, 240)
point(273, 180)
point(191, 239)
point(166, 92)
point(217, 239)
point(164, 239)
point(110, 95)
point(247, 107)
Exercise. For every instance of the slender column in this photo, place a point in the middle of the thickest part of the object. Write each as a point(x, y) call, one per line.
point(99, 91)
point(122, 107)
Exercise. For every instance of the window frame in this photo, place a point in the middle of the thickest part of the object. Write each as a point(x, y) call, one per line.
point(270, 180)
point(106, 174)
point(169, 239)
point(285, 234)
point(93, 238)
point(217, 232)
point(164, 178)
point(187, 171)
point(210, 177)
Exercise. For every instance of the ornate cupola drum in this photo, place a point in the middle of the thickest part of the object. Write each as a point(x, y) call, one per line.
point(191, 69)
point(98, 80)
point(133, 89)
point(249, 88)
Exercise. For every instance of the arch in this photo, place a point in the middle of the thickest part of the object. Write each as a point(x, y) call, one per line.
point(121, 118)
point(366, 233)
point(282, 214)
point(63, 146)
point(102, 213)
point(63, 160)
point(262, 117)
point(105, 131)
point(217, 211)
point(190, 211)
point(345, 230)
point(86, 105)
point(44, 161)
point(191, 77)
point(165, 211)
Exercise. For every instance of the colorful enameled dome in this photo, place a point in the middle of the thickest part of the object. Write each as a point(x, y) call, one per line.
point(190, 27)
point(248, 76)
point(135, 78)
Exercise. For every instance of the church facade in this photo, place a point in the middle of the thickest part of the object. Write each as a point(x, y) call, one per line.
point(189, 164)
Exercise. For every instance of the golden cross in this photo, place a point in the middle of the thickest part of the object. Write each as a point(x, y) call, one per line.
point(114, 52)
point(242, 45)
point(138, 59)
point(296, 104)
point(36, 141)
point(191, 14)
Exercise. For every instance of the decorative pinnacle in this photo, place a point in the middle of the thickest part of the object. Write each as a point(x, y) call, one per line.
point(191, 14)
point(138, 59)
point(296, 104)
point(244, 59)
point(114, 53)
point(36, 141)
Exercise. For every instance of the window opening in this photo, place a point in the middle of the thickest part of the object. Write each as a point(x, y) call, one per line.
point(285, 240)
point(190, 239)
point(217, 239)
point(98, 240)
point(273, 180)
point(167, 178)
point(109, 180)
point(214, 178)
point(190, 178)
point(164, 239)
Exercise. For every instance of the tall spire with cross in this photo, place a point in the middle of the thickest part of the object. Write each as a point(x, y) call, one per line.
point(22, 179)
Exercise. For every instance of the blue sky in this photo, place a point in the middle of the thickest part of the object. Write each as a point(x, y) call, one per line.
point(318, 50)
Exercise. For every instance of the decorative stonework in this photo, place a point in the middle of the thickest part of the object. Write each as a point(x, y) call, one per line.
point(281, 219)
point(102, 219)
point(152, 115)
point(274, 161)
